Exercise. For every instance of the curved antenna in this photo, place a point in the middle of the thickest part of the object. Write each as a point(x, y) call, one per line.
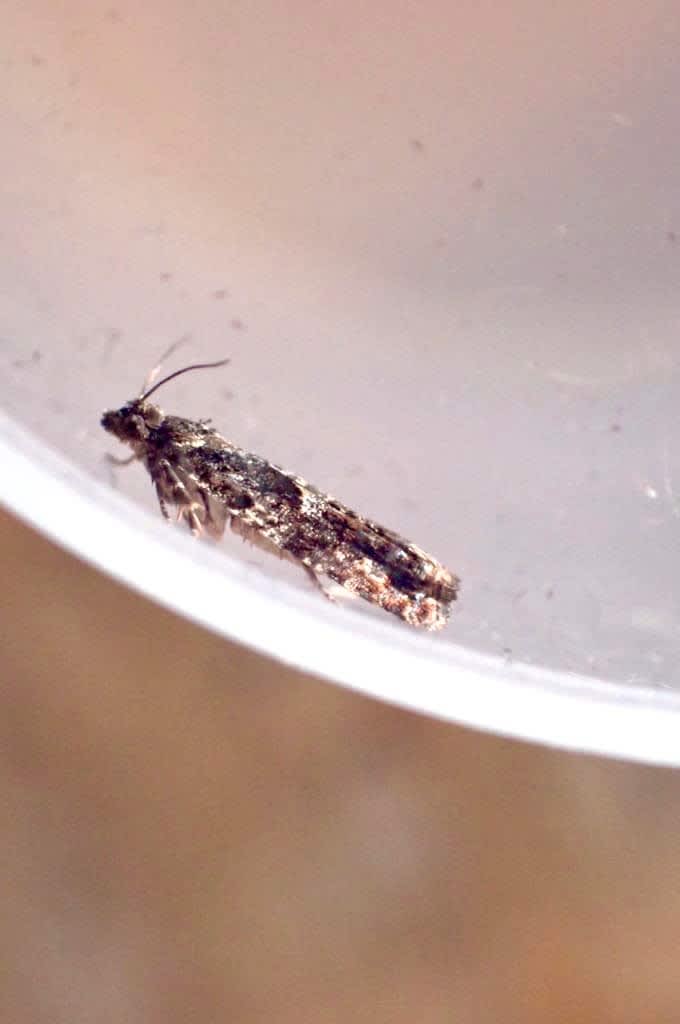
point(178, 373)
point(154, 371)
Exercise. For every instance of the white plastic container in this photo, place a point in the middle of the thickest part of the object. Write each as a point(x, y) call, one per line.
point(442, 253)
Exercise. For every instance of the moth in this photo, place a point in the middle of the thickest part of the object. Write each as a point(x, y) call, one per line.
point(213, 484)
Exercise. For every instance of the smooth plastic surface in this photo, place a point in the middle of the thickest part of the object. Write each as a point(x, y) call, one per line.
point(441, 249)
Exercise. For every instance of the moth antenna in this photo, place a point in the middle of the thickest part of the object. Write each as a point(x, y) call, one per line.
point(171, 376)
point(153, 373)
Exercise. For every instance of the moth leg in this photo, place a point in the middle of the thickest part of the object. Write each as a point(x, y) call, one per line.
point(189, 513)
point(186, 508)
point(161, 502)
point(170, 488)
point(318, 584)
point(172, 483)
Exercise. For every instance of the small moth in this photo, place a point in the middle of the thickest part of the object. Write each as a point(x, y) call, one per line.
point(212, 484)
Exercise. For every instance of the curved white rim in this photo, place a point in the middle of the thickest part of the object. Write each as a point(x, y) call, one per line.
point(450, 682)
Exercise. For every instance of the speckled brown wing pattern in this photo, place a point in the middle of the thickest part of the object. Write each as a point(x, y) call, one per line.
point(212, 483)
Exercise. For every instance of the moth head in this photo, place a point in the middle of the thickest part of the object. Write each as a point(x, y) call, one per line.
point(132, 422)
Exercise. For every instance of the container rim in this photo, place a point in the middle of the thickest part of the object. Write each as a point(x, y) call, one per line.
point(375, 658)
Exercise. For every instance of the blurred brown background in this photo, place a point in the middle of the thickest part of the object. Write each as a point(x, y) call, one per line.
point(192, 832)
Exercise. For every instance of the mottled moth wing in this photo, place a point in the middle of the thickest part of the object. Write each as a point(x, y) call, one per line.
point(214, 483)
